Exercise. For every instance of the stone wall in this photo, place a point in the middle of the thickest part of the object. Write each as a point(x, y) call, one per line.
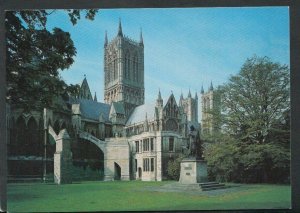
point(117, 154)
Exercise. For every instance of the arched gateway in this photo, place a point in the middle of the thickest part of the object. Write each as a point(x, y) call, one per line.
point(116, 156)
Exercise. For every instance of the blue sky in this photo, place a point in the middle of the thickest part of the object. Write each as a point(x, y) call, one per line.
point(184, 48)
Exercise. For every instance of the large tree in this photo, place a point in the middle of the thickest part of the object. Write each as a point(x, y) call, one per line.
point(253, 145)
point(35, 56)
point(256, 100)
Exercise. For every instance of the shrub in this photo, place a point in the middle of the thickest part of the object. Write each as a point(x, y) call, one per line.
point(173, 169)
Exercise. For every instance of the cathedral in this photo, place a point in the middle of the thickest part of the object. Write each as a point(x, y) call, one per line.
point(122, 138)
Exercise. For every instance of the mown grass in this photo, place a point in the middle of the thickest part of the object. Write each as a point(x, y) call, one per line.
point(133, 195)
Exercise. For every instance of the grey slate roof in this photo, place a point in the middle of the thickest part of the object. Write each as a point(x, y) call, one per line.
point(119, 108)
point(92, 109)
point(139, 114)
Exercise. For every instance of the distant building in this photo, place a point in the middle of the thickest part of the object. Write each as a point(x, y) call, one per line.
point(210, 110)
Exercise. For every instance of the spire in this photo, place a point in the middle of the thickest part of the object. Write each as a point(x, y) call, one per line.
point(189, 95)
point(95, 97)
point(196, 96)
point(120, 28)
point(202, 90)
point(211, 88)
point(141, 38)
point(85, 92)
point(84, 82)
point(159, 95)
point(159, 100)
point(181, 96)
point(106, 40)
point(180, 99)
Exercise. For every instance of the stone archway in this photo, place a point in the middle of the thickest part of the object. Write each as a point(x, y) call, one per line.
point(140, 173)
point(117, 171)
point(92, 156)
point(88, 160)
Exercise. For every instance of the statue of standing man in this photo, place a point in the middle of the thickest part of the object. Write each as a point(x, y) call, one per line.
point(195, 144)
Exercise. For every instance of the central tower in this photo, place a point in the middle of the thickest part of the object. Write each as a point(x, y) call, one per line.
point(124, 71)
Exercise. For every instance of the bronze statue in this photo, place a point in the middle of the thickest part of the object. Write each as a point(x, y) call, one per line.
point(195, 144)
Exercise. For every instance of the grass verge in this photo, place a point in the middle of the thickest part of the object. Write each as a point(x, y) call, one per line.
point(135, 195)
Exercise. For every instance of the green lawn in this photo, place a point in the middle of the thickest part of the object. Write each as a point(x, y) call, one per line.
point(137, 195)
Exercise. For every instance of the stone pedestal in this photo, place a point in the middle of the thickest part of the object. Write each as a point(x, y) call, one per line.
point(193, 171)
point(62, 159)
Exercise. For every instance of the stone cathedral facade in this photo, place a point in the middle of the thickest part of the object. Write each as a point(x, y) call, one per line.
point(122, 138)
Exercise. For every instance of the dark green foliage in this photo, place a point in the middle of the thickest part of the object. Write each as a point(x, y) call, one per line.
point(255, 120)
point(255, 100)
point(222, 160)
point(253, 163)
point(173, 169)
point(35, 56)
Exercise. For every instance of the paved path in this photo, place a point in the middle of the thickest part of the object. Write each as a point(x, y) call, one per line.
point(195, 189)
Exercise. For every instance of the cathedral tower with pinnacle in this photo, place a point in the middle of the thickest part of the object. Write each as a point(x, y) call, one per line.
point(124, 71)
point(210, 109)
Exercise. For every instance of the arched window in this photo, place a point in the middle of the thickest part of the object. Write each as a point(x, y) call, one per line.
point(115, 69)
point(207, 104)
point(135, 68)
point(32, 143)
point(63, 125)
point(19, 137)
point(126, 69)
point(171, 125)
point(56, 127)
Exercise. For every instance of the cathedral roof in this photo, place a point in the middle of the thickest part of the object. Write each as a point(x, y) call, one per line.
point(91, 109)
point(118, 108)
point(139, 114)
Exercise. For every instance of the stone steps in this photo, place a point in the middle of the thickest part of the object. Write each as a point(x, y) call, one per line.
point(207, 186)
point(211, 186)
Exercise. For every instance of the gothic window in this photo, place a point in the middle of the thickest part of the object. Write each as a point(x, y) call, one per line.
point(108, 73)
point(63, 126)
point(152, 164)
point(171, 144)
point(171, 125)
point(20, 139)
point(207, 104)
point(127, 62)
point(146, 145)
point(115, 69)
point(145, 164)
point(151, 144)
point(137, 148)
point(56, 127)
point(127, 57)
point(135, 68)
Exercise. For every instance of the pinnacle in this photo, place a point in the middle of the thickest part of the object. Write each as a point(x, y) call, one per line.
point(120, 33)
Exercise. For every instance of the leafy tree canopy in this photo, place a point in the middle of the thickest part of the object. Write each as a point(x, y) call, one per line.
point(35, 55)
point(256, 99)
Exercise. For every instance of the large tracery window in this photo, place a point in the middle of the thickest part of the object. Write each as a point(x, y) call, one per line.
point(171, 144)
point(171, 125)
point(135, 68)
point(127, 65)
point(115, 69)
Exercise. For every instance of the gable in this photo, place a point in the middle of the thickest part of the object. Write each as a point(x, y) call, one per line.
point(171, 108)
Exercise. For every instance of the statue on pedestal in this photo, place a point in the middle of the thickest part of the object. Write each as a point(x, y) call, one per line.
point(195, 149)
